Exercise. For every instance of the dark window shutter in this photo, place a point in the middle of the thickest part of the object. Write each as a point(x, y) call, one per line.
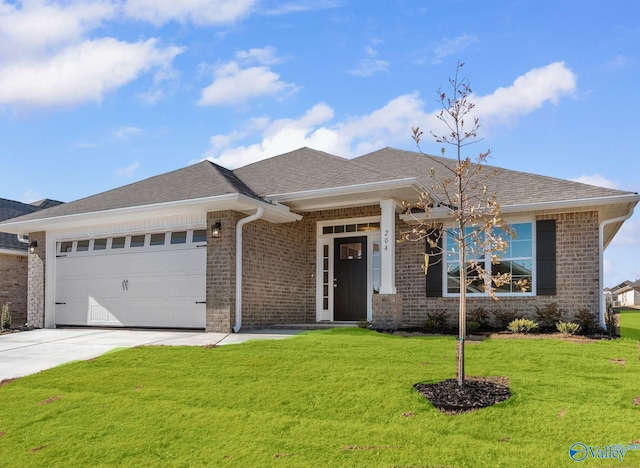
point(546, 257)
point(434, 272)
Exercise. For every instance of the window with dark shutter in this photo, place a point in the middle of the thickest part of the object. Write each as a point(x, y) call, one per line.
point(546, 257)
point(434, 272)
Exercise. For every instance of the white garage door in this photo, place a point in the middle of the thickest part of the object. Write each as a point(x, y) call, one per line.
point(147, 280)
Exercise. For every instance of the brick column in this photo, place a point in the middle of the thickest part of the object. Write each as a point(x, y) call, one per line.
point(36, 281)
point(221, 272)
point(387, 311)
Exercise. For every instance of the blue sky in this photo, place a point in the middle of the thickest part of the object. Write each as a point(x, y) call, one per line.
point(98, 94)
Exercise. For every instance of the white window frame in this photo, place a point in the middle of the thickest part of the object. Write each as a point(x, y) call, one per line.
point(531, 293)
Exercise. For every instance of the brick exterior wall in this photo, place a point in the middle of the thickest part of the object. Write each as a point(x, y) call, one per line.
point(577, 267)
point(276, 273)
point(279, 267)
point(13, 287)
point(36, 275)
point(279, 263)
point(221, 272)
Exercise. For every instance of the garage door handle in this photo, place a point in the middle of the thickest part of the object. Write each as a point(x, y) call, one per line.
point(201, 302)
point(61, 303)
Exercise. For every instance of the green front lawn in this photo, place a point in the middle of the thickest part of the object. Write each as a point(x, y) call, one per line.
point(327, 398)
point(630, 323)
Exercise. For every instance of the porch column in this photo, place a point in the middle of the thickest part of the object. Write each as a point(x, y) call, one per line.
point(36, 268)
point(388, 247)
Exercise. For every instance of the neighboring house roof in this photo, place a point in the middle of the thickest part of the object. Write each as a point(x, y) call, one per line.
point(307, 179)
point(626, 286)
point(13, 209)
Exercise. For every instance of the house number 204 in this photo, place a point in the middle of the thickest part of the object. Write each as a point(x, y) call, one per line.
point(386, 239)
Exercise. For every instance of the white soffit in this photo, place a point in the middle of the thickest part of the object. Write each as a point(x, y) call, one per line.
point(408, 189)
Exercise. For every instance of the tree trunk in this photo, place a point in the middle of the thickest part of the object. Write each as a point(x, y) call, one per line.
point(462, 313)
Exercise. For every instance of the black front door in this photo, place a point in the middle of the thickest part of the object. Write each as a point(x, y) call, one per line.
point(350, 279)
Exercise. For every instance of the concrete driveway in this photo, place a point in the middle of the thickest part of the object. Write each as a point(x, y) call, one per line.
point(28, 352)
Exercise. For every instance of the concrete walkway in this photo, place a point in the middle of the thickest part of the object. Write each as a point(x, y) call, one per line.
point(28, 352)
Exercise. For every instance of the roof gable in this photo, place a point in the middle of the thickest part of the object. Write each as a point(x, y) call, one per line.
point(306, 169)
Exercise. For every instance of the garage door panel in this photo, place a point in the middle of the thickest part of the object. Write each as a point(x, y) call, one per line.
point(197, 288)
point(178, 288)
point(156, 287)
point(140, 289)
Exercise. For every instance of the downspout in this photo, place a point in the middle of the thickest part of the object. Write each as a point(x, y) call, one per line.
point(601, 248)
point(22, 239)
point(257, 215)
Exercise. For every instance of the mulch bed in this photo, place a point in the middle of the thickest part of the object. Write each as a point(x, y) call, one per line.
point(475, 393)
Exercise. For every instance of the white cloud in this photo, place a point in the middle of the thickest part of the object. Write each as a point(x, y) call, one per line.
point(129, 171)
point(80, 73)
point(38, 28)
point(125, 133)
point(262, 56)
point(628, 234)
point(527, 93)
point(370, 65)
point(200, 12)
point(30, 196)
point(597, 180)
point(388, 125)
point(619, 62)
point(300, 6)
point(278, 136)
point(447, 47)
point(236, 82)
point(48, 60)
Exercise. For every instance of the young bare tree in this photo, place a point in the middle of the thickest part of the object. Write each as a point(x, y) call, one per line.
point(459, 194)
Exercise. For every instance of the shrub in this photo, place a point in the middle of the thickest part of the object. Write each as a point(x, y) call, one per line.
point(363, 324)
point(503, 318)
point(568, 328)
point(478, 316)
point(436, 322)
point(610, 320)
point(548, 316)
point(587, 321)
point(522, 325)
point(5, 318)
point(472, 326)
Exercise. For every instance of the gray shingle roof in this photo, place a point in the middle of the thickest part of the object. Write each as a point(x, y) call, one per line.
point(306, 169)
point(201, 180)
point(513, 187)
point(12, 209)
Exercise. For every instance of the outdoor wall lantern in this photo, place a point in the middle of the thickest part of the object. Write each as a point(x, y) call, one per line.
point(215, 229)
point(32, 246)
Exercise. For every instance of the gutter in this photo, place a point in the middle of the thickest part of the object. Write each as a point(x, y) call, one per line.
point(601, 249)
point(441, 213)
point(258, 214)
